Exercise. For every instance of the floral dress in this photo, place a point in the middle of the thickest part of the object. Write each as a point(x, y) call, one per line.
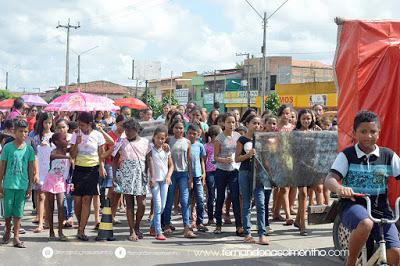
point(55, 181)
point(131, 176)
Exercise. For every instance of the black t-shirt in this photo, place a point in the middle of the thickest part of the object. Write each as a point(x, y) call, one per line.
point(245, 165)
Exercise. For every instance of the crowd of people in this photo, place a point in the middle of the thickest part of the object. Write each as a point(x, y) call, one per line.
point(198, 164)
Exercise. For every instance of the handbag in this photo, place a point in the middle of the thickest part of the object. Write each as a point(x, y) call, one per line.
point(144, 171)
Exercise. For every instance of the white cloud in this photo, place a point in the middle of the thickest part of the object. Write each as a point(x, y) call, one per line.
point(183, 38)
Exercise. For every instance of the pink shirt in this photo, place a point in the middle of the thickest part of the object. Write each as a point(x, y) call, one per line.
point(135, 150)
point(14, 114)
point(286, 128)
point(210, 167)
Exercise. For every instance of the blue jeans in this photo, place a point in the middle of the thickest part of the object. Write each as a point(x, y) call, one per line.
point(210, 181)
point(267, 196)
point(246, 190)
point(160, 192)
point(68, 206)
point(222, 180)
point(179, 179)
point(199, 193)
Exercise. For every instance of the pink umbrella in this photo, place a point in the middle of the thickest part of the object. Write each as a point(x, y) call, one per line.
point(34, 100)
point(79, 101)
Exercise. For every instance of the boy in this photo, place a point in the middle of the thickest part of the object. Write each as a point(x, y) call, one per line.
point(17, 170)
point(365, 168)
point(197, 155)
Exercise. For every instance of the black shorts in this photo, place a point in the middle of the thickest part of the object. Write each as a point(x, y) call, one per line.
point(86, 181)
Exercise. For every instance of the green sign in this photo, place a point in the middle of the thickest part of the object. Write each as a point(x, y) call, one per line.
point(233, 85)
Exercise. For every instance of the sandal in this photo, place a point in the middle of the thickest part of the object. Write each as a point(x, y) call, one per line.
point(240, 232)
point(139, 234)
point(278, 219)
point(202, 228)
point(288, 222)
point(249, 239)
point(6, 240)
point(189, 234)
point(168, 231)
point(303, 232)
point(83, 237)
point(133, 238)
point(19, 245)
point(38, 230)
point(263, 241)
point(296, 225)
point(218, 230)
point(62, 238)
point(96, 227)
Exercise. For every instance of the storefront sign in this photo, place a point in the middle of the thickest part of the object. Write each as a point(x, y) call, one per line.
point(209, 98)
point(239, 96)
point(182, 95)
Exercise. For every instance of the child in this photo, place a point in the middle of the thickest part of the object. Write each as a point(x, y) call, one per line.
point(17, 170)
point(63, 127)
point(244, 155)
point(227, 172)
point(197, 155)
point(132, 175)
point(181, 178)
point(241, 130)
point(287, 195)
point(42, 148)
point(195, 118)
point(160, 174)
point(305, 122)
point(212, 133)
point(365, 168)
point(55, 182)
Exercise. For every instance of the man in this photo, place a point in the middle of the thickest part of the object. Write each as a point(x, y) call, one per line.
point(166, 109)
point(126, 111)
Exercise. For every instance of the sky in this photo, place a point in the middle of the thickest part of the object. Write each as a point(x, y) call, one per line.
point(181, 35)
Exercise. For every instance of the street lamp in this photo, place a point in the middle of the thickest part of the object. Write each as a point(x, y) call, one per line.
point(265, 81)
point(79, 61)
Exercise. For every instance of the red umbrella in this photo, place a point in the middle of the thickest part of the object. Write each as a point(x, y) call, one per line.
point(131, 103)
point(7, 104)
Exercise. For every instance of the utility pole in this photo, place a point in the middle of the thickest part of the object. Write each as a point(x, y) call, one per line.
point(79, 61)
point(68, 26)
point(265, 79)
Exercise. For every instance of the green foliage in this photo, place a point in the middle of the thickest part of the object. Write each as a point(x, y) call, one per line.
point(57, 94)
point(273, 102)
point(5, 94)
point(167, 99)
point(239, 65)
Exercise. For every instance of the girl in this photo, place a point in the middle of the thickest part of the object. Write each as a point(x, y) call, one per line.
point(132, 175)
point(305, 122)
point(181, 177)
point(244, 155)
point(212, 117)
point(62, 127)
point(31, 118)
point(117, 135)
point(248, 112)
point(55, 182)
point(160, 174)
point(108, 120)
point(42, 147)
point(87, 147)
point(212, 133)
point(227, 172)
point(195, 118)
point(286, 194)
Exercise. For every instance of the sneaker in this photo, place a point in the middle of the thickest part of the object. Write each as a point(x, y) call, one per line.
point(161, 237)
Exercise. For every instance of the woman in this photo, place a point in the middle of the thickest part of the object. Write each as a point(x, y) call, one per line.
point(108, 120)
point(31, 118)
point(87, 147)
point(212, 117)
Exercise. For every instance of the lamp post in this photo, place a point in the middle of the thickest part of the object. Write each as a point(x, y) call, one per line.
point(79, 61)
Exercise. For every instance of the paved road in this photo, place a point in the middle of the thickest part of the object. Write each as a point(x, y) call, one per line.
point(207, 249)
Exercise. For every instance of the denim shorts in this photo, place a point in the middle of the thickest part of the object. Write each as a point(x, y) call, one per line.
point(355, 213)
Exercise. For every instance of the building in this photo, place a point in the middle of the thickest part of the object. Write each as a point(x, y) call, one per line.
point(101, 87)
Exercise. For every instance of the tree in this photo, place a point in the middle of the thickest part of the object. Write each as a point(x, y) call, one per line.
point(5, 94)
point(239, 65)
point(273, 102)
point(151, 102)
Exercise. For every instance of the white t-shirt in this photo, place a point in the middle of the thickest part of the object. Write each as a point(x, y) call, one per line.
point(88, 155)
point(160, 163)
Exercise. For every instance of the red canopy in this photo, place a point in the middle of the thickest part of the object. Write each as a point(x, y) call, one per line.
point(367, 66)
point(7, 104)
point(131, 103)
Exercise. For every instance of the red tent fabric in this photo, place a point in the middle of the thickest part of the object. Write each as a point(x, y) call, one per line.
point(131, 103)
point(367, 68)
point(7, 104)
